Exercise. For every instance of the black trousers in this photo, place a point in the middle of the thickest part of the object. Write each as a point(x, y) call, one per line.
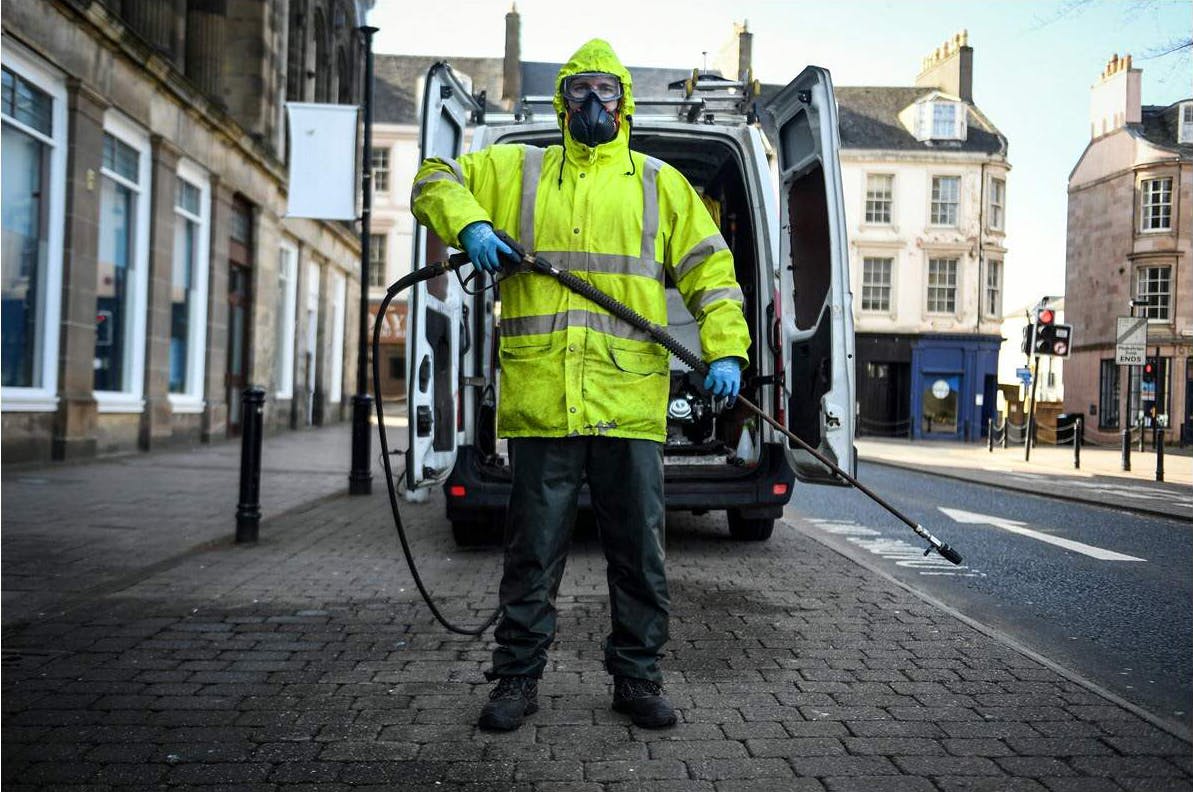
point(625, 479)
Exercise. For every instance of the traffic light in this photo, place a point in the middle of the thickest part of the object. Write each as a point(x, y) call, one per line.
point(1045, 316)
point(1149, 371)
point(1025, 347)
point(1054, 340)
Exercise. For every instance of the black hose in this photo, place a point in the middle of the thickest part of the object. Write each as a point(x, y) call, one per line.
point(425, 273)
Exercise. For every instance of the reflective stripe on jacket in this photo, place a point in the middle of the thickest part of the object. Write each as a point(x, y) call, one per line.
point(620, 220)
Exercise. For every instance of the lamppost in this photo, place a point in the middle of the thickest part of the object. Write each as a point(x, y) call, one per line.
point(360, 480)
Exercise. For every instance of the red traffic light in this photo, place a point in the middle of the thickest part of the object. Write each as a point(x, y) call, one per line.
point(1045, 316)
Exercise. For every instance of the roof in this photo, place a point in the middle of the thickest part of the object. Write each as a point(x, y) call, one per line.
point(395, 91)
point(1161, 126)
point(397, 80)
point(869, 119)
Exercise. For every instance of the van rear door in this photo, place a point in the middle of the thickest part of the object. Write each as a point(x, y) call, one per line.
point(817, 310)
point(435, 317)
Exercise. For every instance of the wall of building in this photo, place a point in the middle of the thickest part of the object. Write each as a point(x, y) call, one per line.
point(931, 339)
point(1105, 247)
point(113, 82)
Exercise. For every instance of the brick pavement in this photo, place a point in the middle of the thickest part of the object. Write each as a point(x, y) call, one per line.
point(307, 662)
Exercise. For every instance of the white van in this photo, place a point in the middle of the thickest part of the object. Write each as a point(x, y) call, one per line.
point(783, 218)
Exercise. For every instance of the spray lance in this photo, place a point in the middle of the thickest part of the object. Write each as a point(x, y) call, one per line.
point(527, 261)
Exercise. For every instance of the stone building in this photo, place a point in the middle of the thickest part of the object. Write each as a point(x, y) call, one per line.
point(1130, 238)
point(925, 179)
point(149, 273)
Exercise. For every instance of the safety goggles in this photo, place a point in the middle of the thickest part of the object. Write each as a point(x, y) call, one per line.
point(577, 87)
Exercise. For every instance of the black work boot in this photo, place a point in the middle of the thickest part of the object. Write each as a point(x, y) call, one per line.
point(643, 701)
point(509, 703)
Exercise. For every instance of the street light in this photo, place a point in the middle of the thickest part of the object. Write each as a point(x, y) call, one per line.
point(360, 479)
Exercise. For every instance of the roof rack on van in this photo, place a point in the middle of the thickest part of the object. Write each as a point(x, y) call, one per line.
point(726, 96)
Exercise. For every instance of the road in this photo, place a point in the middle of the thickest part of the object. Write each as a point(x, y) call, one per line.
point(1100, 591)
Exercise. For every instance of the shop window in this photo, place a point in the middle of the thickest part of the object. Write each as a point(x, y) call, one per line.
point(188, 287)
point(33, 210)
point(283, 373)
point(122, 277)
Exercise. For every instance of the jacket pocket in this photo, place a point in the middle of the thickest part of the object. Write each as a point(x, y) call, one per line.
point(640, 361)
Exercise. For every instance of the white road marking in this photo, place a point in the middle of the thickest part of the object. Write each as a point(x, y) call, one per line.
point(1016, 527)
point(903, 553)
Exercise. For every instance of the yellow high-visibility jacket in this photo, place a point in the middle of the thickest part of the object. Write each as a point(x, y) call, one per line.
point(619, 220)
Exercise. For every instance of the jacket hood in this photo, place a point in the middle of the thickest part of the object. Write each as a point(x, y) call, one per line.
point(594, 56)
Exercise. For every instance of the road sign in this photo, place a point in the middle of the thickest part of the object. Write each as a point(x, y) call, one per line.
point(1131, 340)
point(1024, 374)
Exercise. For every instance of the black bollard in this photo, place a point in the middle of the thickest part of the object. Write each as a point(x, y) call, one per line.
point(1077, 443)
point(1127, 448)
point(990, 435)
point(248, 510)
point(1160, 455)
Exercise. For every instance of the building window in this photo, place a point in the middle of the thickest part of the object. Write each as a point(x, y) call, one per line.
point(381, 170)
point(1108, 394)
point(944, 119)
point(994, 288)
point(940, 119)
point(942, 285)
point(1186, 133)
point(122, 267)
point(879, 197)
point(283, 360)
point(946, 195)
point(876, 284)
point(998, 197)
point(33, 211)
point(377, 257)
point(1156, 204)
point(188, 286)
point(1154, 284)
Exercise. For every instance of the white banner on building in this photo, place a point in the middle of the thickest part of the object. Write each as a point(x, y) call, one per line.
point(323, 167)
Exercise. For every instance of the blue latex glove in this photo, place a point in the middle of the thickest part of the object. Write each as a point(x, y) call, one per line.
point(724, 379)
point(483, 246)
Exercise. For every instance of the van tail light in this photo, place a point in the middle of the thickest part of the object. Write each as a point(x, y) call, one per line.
point(457, 491)
point(779, 489)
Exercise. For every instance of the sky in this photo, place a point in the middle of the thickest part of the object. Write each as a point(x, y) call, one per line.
point(1034, 63)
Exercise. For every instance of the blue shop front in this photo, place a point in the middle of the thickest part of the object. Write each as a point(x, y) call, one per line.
point(954, 382)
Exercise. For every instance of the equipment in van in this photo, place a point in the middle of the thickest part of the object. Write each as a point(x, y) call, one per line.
point(536, 264)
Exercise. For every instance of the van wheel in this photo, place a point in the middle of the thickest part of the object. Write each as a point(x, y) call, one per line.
point(475, 531)
point(750, 529)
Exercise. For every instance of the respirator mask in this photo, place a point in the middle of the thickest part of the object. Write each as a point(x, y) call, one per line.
point(586, 96)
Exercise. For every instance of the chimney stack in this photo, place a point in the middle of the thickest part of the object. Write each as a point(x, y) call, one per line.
point(950, 68)
point(745, 50)
point(511, 84)
point(1115, 98)
point(735, 57)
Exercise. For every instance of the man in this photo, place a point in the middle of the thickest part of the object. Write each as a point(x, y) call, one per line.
point(583, 394)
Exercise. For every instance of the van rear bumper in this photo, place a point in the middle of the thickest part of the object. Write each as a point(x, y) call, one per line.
point(474, 490)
